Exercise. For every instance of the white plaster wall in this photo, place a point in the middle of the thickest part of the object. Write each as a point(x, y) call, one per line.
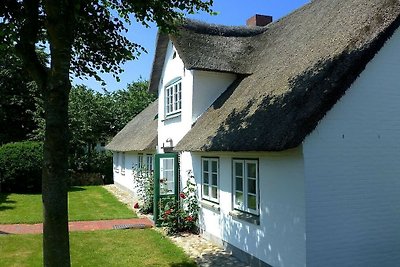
point(199, 90)
point(208, 86)
point(176, 127)
point(279, 240)
point(352, 170)
point(126, 180)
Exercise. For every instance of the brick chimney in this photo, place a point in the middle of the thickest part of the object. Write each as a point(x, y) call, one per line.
point(259, 20)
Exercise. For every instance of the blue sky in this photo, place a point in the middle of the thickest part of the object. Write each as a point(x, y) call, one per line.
point(230, 12)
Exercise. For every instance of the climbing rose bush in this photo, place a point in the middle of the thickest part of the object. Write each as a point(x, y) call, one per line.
point(182, 215)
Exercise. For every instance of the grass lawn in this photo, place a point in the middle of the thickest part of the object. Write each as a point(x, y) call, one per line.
point(99, 248)
point(85, 203)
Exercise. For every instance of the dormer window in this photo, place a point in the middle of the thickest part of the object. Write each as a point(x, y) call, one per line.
point(173, 98)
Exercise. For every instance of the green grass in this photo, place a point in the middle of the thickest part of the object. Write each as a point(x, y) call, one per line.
point(85, 203)
point(99, 248)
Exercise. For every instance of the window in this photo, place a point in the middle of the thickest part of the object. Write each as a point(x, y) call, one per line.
point(140, 162)
point(149, 162)
point(173, 98)
point(116, 161)
point(123, 163)
point(245, 183)
point(210, 179)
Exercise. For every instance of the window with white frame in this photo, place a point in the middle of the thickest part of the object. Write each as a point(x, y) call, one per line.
point(245, 185)
point(210, 179)
point(116, 161)
point(173, 98)
point(140, 162)
point(149, 162)
point(123, 163)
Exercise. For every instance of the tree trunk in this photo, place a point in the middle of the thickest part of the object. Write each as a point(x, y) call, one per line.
point(59, 24)
point(55, 175)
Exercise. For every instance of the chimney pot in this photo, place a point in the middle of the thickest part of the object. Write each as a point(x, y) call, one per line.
point(259, 20)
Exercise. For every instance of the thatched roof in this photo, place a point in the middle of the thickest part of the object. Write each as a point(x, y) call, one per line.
point(205, 46)
point(300, 66)
point(140, 134)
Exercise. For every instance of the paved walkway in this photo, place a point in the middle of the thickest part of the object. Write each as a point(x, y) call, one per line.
point(79, 226)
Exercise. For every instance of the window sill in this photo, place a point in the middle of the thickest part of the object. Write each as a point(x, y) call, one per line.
point(172, 115)
point(247, 217)
point(210, 205)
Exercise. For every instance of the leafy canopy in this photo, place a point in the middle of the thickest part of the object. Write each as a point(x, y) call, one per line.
point(98, 41)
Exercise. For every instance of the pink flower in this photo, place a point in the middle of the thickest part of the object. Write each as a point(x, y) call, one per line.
point(189, 218)
point(182, 195)
point(168, 212)
point(136, 206)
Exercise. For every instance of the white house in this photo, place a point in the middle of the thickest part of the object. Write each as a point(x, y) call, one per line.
point(290, 129)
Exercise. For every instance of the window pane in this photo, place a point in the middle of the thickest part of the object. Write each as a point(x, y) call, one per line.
point(251, 202)
point(239, 168)
point(214, 192)
point(205, 178)
point(214, 166)
point(239, 184)
point(251, 186)
point(251, 170)
point(239, 199)
point(214, 179)
point(205, 190)
point(205, 165)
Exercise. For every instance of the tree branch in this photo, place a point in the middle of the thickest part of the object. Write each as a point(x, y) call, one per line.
point(26, 47)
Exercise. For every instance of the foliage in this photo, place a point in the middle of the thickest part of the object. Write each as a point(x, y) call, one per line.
point(86, 203)
point(99, 248)
point(21, 166)
point(94, 162)
point(182, 215)
point(144, 185)
point(18, 97)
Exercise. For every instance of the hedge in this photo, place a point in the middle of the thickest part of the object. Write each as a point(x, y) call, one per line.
point(21, 166)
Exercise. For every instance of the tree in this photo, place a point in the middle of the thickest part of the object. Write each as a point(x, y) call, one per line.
point(84, 37)
point(96, 117)
point(18, 96)
point(128, 103)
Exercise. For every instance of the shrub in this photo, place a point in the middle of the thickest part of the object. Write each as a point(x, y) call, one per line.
point(181, 215)
point(90, 165)
point(21, 166)
point(144, 184)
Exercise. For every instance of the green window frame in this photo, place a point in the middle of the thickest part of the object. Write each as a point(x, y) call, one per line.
point(246, 185)
point(210, 179)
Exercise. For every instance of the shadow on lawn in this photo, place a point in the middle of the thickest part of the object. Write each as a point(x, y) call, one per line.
point(75, 189)
point(183, 264)
point(4, 203)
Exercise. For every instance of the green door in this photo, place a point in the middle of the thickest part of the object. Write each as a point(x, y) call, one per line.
point(166, 183)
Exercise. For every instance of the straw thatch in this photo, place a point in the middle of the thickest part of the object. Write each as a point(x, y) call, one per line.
point(140, 134)
point(300, 66)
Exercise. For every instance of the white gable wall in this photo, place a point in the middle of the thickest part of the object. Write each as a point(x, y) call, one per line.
point(175, 127)
point(279, 240)
point(199, 90)
point(352, 170)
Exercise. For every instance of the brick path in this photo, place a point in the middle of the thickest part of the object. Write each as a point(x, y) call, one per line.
point(78, 226)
